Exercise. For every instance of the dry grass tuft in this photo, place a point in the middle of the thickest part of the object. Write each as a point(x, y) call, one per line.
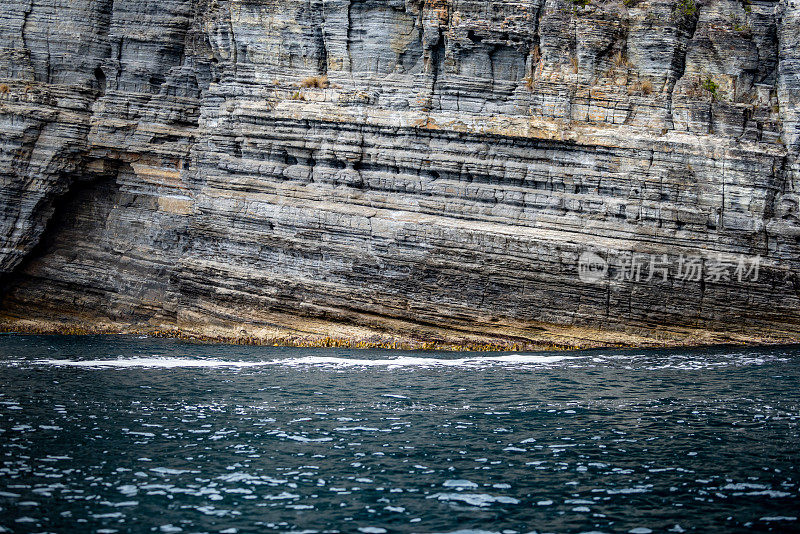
point(645, 87)
point(530, 83)
point(316, 82)
point(619, 59)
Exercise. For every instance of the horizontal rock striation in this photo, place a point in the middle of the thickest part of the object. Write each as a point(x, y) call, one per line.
point(563, 172)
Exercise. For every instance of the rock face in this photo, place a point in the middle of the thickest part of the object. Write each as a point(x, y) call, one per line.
point(542, 170)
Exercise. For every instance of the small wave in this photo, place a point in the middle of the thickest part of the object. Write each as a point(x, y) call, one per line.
point(165, 363)
point(474, 499)
point(402, 361)
point(689, 361)
point(459, 484)
point(415, 361)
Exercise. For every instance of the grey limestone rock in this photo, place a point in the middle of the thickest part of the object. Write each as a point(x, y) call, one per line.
point(403, 169)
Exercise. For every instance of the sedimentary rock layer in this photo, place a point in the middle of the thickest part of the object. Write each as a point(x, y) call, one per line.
point(427, 169)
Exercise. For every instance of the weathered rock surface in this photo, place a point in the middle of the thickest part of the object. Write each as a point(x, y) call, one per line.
point(426, 169)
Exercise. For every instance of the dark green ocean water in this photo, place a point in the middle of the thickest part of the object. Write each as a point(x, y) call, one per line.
point(121, 434)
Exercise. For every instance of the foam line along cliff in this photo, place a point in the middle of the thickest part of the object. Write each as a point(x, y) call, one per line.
point(385, 171)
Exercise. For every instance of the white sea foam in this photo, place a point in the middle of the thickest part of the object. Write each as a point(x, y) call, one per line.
point(169, 471)
point(297, 437)
point(474, 499)
point(148, 362)
point(682, 361)
point(402, 361)
point(459, 484)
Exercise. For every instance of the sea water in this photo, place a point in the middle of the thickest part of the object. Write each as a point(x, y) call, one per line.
point(125, 434)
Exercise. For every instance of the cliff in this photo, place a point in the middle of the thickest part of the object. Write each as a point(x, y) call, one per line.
point(564, 172)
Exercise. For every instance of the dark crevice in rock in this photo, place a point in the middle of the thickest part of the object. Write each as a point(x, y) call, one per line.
point(434, 68)
point(24, 31)
point(100, 78)
point(349, 35)
point(90, 258)
point(40, 68)
point(322, 67)
point(234, 44)
point(679, 63)
point(54, 211)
